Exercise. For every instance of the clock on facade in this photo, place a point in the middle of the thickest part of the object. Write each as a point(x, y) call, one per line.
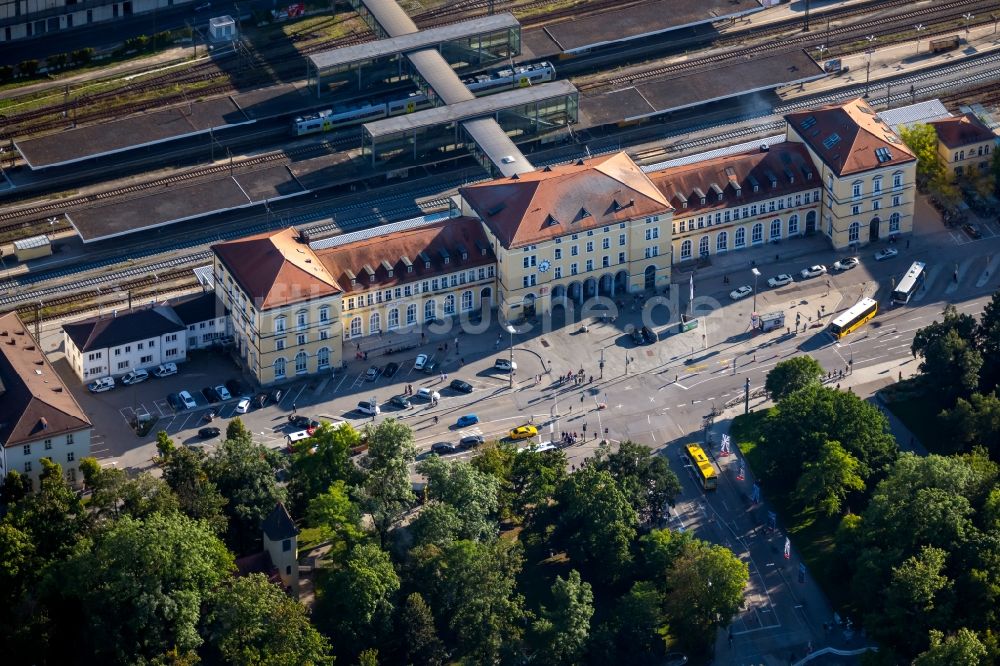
point(543, 266)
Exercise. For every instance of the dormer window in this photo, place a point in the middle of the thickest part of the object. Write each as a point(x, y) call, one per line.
point(739, 191)
point(409, 269)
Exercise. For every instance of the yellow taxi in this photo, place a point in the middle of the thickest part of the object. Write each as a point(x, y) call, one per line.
point(523, 432)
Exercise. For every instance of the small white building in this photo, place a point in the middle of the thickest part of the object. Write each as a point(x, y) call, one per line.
point(39, 417)
point(281, 544)
point(222, 29)
point(205, 318)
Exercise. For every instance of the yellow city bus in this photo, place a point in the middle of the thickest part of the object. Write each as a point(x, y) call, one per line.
point(853, 318)
point(703, 467)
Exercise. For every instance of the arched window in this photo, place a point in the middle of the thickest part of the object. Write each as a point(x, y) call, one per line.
point(449, 304)
point(430, 310)
point(356, 327)
point(301, 362)
point(757, 235)
point(686, 249)
point(466, 301)
point(893, 222)
point(393, 319)
point(775, 229)
point(279, 324)
point(853, 232)
point(411, 314)
point(856, 189)
point(721, 242)
point(793, 225)
point(741, 237)
point(279, 368)
point(703, 246)
point(323, 358)
point(374, 324)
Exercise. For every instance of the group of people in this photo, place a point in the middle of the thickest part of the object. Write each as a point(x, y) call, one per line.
point(568, 439)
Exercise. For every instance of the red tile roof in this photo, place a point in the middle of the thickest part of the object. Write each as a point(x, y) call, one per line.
point(34, 402)
point(849, 137)
point(555, 201)
point(420, 245)
point(788, 165)
point(962, 130)
point(275, 269)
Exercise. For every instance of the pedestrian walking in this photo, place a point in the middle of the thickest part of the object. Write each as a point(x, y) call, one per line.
point(581, 397)
point(294, 410)
point(446, 376)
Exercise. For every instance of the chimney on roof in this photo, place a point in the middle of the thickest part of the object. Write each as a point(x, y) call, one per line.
point(579, 162)
point(515, 177)
point(631, 202)
point(547, 168)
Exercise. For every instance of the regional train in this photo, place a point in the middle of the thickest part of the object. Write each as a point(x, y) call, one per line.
point(520, 76)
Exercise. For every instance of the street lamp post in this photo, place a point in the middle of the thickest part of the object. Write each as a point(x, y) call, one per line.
point(919, 28)
point(602, 363)
point(511, 330)
point(968, 16)
point(756, 274)
point(868, 68)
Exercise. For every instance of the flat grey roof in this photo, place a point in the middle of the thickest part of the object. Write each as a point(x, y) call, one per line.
point(639, 21)
point(477, 107)
point(390, 16)
point(497, 146)
point(700, 87)
point(439, 75)
point(413, 41)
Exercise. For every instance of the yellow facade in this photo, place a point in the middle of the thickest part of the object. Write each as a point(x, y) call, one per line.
point(968, 160)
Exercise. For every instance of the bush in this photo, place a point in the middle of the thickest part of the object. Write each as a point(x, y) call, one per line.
point(28, 68)
point(164, 38)
point(6, 73)
point(82, 56)
point(57, 61)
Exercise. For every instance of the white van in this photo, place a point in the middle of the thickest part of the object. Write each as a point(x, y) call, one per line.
point(293, 437)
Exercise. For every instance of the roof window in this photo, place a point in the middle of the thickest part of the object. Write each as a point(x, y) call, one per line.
point(831, 141)
point(808, 122)
point(883, 155)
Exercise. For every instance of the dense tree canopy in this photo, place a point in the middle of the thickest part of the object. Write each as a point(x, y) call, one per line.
point(791, 375)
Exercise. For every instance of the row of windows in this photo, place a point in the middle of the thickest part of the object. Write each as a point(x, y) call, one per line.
point(651, 234)
point(301, 319)
point(302, 363)
point(854, 230)
point(590, 232)
point(740, 238)
point(877, 204)
point(70, 457)
point(574, 268)
point(433, 284)
point(48, 445)
point(395, 318)
point(301, 339)
point(858, 186)
point(733, 214)
point(983, 150)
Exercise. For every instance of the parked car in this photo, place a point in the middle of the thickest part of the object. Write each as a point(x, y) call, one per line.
point(372, 373)
point(101, 385)
point(461, 386)
point(846, 264)
point(174, 400)
point(235, 387)
point(134, 377)
point(187, 400)
point(420, 362)
point(741, 292)
point(209, 432)
point(223, 393)
point(504, 365)
point(243, 406)
point(443, 448)
point(210, 394)
point(813, 271)
point(523, 432)
point(430, 367)
point(779, 280)
point(368, 408)
point(467, 420)
point(471, 441)
point(886, 253)
point(972, 231)
point(647, 335)
point(260, 400)
point(428, 394)
point(390, 369)
point(304, 422)
point(276, 395)
point(400, 401)
point(165, 370)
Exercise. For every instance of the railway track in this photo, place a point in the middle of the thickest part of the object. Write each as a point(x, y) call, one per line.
point(843, 34)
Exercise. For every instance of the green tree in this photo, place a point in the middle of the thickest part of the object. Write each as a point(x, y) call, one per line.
point(793, 433)
point(564, 626)
point(917, 590)
point(826, 481)
point(249, 620)
point(534, 477)
point(922, 140)
point(658, 550)
point(644, 477)
point(952, 320)
point(471, 585)
point(54, 516)
point(337, 517)
point(355, 601)
point(164, 445)
point(706, 584)
point(386, 492)
point(636, 632)
point(141, 586)
point(596, 524)
point(951, 365)
point(988, 342)
point(16, 486)
point(791, 375)
point(962, 648)
point(244, 473)
point(970, 422)
point(320, 461)
point(438, 524)
point(197, 495)
point(420, 641)
point(236, 431)
point(473, 494)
